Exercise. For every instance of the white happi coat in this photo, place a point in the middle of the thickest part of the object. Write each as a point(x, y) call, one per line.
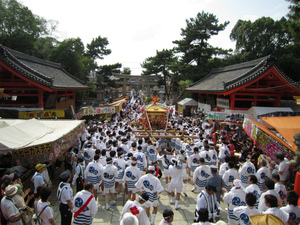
point(235, 198)
point(193, 162)
point(131, 175)
point(281, 190)
point(262, 205)
point(136, 209)
point(141, 160)
point(244, 213)
point(214, 157)
point(223, 152)
point(293, 211)
point(229, 176)
point(245, 171)
point(87, 214)
point(151, 185)
point(207, 156)
point(253, 188)
point(120, 163)
point(110, 172)
point(151, 153)
point(93, 172)
point(177, 178)
point(223, 168)
point(262, 175)
point(201, 174)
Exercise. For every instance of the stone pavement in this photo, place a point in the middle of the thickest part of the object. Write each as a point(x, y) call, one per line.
point(183, 216)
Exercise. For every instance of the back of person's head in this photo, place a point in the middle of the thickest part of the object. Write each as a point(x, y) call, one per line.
point(88, 185)
point(227, 158)
point(253, 179)
point(196, 149)
point(96, 157)
point(242, 159)
point(279, 155)
point(270, 184)
point(230, 164)
point(103, 152)
point(276, 177)
point(251, 199)
point(167, 213)
point(264, 162)
point(139, 148)
point(112, 154)
point(292, 198)
point(272, 200)
point(203, 215)
point(140, 141)
point(202, 160)
point(45, 192)
point(97, 152)
point(133, 144)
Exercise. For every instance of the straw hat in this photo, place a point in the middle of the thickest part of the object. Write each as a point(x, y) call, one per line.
point(10, 190)
point(265, 219)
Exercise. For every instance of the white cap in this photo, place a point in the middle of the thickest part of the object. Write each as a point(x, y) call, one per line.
point(129, 219)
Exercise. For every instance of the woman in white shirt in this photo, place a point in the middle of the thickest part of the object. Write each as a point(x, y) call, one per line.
point(43, 204)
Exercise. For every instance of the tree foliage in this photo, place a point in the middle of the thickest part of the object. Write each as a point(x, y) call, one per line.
point(261, 37)
point(294, 19)
point(98, 48)
point(19, 27)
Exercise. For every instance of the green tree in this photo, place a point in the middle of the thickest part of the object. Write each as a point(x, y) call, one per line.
point(97, 48)
point(261, 37)
point(294, 19)
point(194, 45)
point(161, 64)
point(19, 27)
point(126, 71)
point(103, 75)
point(70, 54)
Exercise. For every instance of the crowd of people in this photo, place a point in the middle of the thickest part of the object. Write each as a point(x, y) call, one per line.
point(220, 162)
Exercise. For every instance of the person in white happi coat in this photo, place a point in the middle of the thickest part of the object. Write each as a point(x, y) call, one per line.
point(201, 175)
point(207, 199)
point(229, 176)
point(292, 208)
point(283, 168)
point(214, 154)
point(244, 212)
point(131, 175)
point(246, 170)
point(253, 188)
point(193, 163)
point(280, 189)
point(110, 172)
point(88, 153)
point(79, 174)
point(166, 161)
point(236, 197)
point(141, 159)
point(223, 152)
point(270, 184)
point(135, 208)
point(206, 154)
point(152, 186)
point(168, 215)
point(85, 215)
point(272, 204)
point(93, 173)
point(151, 152)
point(224, 166)
point(263, 174)
point(120, 163)
point(176, 180)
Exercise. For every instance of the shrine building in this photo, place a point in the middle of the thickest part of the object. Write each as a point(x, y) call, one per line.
point(239, 87)
point(34, 83)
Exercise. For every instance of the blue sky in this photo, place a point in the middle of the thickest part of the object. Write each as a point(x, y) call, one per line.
point(137, 28)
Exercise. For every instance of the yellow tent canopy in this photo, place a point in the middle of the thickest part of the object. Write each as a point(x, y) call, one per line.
point(286, 126)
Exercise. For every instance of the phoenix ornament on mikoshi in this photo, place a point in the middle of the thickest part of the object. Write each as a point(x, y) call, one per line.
point(155, 99)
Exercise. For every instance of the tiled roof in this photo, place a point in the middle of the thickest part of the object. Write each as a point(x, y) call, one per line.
point(44, 72)
point(226, 78)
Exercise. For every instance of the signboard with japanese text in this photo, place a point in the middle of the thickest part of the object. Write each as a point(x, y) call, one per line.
point(265, 142)
point(226, 117)
point(95, 111)
point(223, 103)
point(42, 114)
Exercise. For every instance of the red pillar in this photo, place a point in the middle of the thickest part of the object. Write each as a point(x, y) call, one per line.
point(41, 98)
point(232, 101)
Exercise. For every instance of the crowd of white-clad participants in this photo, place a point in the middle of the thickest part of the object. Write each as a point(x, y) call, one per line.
point(220, 162)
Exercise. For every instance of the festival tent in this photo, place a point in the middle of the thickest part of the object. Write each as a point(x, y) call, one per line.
point(187, 103)
point(33, 141)
point(266, 140)
point(285, 126)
